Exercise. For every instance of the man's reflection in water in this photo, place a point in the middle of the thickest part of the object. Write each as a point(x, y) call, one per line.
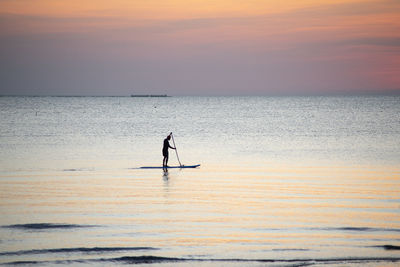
point(166, 183)
point(165, 175)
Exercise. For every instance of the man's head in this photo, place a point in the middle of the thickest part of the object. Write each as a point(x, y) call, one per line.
point(168, 137)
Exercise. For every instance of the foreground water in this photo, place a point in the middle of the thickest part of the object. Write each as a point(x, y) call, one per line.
point(287, 181)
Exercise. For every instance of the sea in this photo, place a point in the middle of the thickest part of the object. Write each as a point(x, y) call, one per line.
point(283, 181)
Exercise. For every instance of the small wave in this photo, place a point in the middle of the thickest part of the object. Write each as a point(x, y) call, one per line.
point(290, 249)
point(350, 229)
point(77, 170)
point(158, 260)
point(74, 250)
point(24, 262)
point(358, 229)
point(388, 247)
point(298, 262)
point(368, 229)
point(144, 259)
point(44, 226)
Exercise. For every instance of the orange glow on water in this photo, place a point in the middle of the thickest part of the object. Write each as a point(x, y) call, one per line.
point(267, 206)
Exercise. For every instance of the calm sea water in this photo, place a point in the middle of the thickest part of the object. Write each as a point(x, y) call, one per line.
point(284, 181)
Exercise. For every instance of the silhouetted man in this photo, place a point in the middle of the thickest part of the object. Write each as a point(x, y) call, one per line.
point(165, 151)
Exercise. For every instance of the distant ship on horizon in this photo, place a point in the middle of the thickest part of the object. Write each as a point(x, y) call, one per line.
point(149, 95)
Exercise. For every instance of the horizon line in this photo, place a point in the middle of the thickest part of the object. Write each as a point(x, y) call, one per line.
point(367, 93)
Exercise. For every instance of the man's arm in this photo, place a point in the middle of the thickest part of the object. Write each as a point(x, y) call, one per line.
point(169, 144)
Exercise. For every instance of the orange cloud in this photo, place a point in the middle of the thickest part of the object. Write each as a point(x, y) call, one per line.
point(350, 41)
point(160, 9)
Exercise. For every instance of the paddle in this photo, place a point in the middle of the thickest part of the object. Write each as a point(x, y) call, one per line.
point(176, 150)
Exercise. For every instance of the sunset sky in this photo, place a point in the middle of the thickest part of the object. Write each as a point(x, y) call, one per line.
point(193, 47)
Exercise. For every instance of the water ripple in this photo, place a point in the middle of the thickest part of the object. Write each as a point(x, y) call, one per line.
point(160, 260)
point(74, 250)
point(44, 226)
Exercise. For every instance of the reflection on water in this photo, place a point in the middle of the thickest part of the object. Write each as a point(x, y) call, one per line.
point(166, 183)
point(265, 213)
point(281, 179)
point(165, 175)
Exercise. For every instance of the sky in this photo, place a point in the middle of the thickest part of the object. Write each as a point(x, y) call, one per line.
point(199, 47)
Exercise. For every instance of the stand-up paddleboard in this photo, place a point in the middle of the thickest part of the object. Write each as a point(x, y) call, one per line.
point(181, 166)
point(171, 167)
